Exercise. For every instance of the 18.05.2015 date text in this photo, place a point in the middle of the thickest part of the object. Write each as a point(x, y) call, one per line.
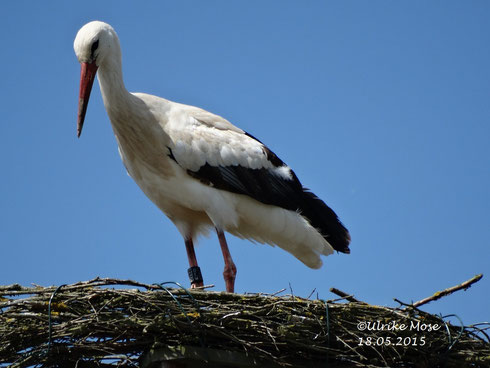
point(392, 341)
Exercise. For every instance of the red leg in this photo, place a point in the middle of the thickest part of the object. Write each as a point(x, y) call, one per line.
point(194, 270)
point(229, 274)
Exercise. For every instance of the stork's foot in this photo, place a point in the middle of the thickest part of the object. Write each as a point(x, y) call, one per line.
point(195, 276)
point(229, 274)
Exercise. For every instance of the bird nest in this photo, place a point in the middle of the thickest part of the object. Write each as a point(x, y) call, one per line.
point(108, 322)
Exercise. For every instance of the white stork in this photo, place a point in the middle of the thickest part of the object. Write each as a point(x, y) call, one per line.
point(201, 170)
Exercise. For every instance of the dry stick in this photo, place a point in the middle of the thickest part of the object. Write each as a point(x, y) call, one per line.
point(278, 292)
point(465, 285)
point(210, 286)
point(309, 296)
point(344, 295)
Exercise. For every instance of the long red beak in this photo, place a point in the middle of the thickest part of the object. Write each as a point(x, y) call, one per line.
point(87, 77)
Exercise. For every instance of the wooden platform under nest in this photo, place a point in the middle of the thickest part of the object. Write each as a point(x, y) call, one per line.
point(109, 323)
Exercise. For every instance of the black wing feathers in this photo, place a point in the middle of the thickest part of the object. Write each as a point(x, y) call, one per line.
point(259, 184)
point(270, 188)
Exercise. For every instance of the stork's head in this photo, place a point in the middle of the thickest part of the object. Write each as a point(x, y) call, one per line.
point(94, 43)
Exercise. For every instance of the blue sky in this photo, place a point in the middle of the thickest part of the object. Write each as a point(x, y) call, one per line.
point(381, 108)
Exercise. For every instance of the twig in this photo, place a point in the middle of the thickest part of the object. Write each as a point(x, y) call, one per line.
point(405, 304)
point(344, 295)
point(291, 289)
point(438, 295)
point(278, 292)
point(309, 296)
point(210, 286)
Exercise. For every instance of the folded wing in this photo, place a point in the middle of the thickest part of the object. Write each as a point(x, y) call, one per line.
point(218, 154)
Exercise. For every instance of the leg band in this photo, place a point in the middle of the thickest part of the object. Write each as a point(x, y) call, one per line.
point(195, 274)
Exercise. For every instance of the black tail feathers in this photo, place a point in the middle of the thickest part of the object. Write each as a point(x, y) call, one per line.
point(326, 221)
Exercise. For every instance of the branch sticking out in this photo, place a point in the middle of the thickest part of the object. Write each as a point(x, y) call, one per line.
point(344, 295)
point(439, 294)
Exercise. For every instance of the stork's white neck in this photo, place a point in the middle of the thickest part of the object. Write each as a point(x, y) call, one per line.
point(116, 98)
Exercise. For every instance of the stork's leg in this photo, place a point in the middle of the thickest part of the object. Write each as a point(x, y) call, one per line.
point(194, 271)
point(229, 274)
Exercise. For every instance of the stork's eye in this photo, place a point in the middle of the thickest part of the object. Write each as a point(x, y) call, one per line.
point(94, 47)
